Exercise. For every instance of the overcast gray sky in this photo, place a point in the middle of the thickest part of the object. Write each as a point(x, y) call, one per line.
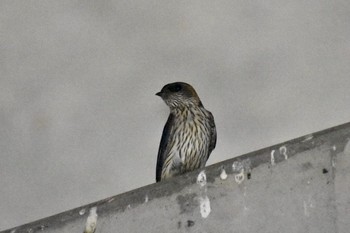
point(79, 117)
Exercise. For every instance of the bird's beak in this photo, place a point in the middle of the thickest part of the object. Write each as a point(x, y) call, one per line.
point(159, 94)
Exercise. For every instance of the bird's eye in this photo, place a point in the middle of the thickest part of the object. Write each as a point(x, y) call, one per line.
point(175, 88)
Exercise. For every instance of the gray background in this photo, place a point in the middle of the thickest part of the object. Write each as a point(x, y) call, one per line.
point(79, 118)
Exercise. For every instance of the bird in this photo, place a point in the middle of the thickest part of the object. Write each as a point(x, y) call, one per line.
point(189, 135)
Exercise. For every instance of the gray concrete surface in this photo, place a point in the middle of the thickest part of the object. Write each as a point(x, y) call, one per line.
point(79, 120)
point(298, 186)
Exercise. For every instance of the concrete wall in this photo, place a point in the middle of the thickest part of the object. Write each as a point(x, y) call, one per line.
point(302, 185)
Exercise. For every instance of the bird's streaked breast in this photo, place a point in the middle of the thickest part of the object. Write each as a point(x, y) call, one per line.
point(188, 147)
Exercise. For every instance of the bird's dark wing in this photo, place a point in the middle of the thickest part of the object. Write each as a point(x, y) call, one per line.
point(212, 142)
point(162, 155)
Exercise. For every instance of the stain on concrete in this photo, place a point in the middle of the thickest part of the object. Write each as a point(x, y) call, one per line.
point(306, 166)
point(190, 223)
point(249, 175)
point(179, 224)
point(187, 202)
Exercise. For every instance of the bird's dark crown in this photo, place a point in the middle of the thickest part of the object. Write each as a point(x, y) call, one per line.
point(178, 94)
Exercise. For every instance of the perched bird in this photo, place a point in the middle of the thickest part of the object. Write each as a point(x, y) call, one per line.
point(189, 135)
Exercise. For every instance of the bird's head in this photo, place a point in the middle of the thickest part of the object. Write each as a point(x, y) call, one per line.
point(179, 94)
